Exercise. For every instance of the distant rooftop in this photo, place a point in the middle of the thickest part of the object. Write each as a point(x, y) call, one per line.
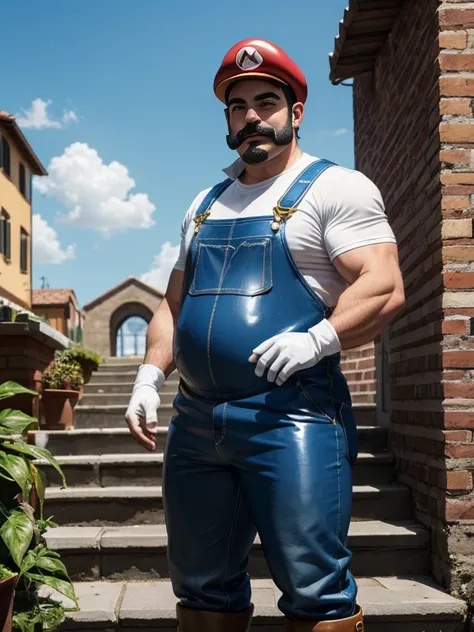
point(52, 297)
point(363, 31)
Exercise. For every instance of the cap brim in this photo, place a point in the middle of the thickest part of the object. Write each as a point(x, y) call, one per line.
point(220, 90)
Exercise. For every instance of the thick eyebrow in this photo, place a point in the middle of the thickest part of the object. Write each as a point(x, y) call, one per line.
point(259, 97)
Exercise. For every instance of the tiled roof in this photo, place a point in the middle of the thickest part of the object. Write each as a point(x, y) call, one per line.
point(363, 31)
point(10, 123)
point(51, 297)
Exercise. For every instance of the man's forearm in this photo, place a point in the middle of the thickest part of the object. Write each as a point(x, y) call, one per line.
point(159, 342)
point(365, 308)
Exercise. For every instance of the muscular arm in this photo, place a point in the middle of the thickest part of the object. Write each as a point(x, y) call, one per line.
point(159, 343)
point(374, 296)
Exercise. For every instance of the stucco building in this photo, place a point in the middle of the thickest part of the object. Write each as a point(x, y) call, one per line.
point(18, 163)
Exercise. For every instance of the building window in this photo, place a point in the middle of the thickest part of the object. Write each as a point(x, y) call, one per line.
point(5, 235)
point(22, 179)
point(24, 247)
point(6, 156)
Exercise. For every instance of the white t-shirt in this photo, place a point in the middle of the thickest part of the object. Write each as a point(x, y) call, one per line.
point(341, 211)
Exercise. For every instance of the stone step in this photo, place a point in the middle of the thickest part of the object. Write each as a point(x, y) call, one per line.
point(115, 399)
point(112, 415)
point(146, 468)
point(171, 386)
point(113, 377)
point(390, 604)
point(144, 505)
point(372, 439)
point(140, 551)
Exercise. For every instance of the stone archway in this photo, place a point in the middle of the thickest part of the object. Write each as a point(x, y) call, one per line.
point(123, 313)
point(106, 313)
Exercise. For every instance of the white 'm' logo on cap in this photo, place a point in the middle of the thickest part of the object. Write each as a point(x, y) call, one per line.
point(248, 58)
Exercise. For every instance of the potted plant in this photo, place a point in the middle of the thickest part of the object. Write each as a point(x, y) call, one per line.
point(89, 360)
point(26, 564)
point(61, 385)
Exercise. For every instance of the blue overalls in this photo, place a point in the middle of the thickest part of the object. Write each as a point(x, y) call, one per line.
point(244, 455)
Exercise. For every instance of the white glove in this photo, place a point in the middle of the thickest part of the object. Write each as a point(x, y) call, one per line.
point(141, 415)
point(284, 354)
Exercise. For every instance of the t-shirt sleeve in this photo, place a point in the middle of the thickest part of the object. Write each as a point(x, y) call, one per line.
point(185, 224)
point(355, 216)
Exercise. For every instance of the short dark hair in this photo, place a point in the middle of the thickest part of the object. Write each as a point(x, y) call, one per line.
point(287, 91)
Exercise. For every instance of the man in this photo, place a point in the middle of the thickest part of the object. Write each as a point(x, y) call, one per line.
point(282, 265)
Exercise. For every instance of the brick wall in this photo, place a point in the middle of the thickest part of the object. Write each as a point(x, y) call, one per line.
point(414, 134)
point(358, 366)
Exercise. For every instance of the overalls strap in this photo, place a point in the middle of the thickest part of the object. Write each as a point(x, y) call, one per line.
point(298, 188)
point(216, 191)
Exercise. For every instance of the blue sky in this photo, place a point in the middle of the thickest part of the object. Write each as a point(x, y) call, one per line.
point(127, 109)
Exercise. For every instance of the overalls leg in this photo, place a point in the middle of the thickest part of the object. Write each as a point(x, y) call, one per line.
point(210, 531)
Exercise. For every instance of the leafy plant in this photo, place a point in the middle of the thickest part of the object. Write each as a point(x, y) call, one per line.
point(81, 354)
point(63, 373)
point(23, 551)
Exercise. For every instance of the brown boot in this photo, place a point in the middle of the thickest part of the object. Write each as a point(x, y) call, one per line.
point(190, 620)
point(350, 624)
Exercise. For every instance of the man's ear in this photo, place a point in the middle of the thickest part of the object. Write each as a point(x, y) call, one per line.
point(226, 112)
point(297, 114)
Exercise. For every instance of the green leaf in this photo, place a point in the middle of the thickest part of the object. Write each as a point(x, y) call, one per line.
point(36, 453)
point(17, 533)
point(43, 558)
point(18, 469)
point(39, 481)
point(62, 586)
point(15, 421)
point(9, 389)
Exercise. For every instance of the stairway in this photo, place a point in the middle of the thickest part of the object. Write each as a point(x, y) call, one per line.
point(113, 540)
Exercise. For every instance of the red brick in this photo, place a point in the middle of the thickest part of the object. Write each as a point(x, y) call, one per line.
point(454, 17)
point(464, 390)
point(454, 327)
point(456, 61)
point(457, 189)
point(460, 451)
point(458, 359)
point(458, 419)
point(457, 509)
point(453, 375)
point(456, 177)
point(453, 39)
point(456, 132)
point(458, 253)
point(459, 481)
point(455, 107)
point(457, 436)
point(455, 202)
point(455, 157)
point(458, 280)
point(455, 86)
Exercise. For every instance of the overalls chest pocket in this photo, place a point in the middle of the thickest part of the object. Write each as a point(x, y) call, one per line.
point(240, 266)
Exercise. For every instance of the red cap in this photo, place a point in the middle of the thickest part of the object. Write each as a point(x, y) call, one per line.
point(259, 58)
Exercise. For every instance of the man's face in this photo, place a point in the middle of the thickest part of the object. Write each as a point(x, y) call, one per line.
point(259, 119)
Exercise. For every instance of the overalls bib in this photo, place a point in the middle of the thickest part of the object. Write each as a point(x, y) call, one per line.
point(244, 455)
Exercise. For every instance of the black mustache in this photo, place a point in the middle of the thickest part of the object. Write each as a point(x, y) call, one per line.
point(235, 140)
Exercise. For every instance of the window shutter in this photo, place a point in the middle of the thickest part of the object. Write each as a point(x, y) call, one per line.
point(8, 249)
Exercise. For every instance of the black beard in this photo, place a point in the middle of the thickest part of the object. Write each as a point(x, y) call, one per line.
point(254, 154)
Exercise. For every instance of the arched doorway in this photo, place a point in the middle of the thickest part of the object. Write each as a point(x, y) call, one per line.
point(131, 337)
point(128, 325)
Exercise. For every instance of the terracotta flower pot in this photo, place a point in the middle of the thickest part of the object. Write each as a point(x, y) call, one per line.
point(58, 407)
point(7, 595)
point(88, 368)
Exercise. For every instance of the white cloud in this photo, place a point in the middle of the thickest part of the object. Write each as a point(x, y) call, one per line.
point(336, 132)
point(46, 246)
point(161, 267)
point(96, 195)
point(37, 117)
